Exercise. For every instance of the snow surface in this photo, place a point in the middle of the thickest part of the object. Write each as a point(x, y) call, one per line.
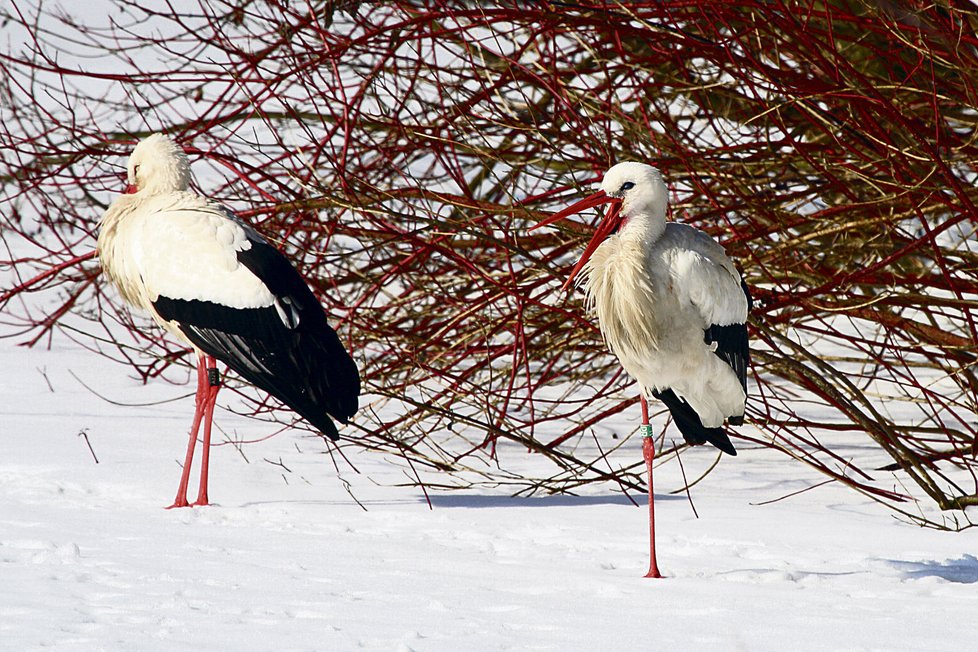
point(286, 559)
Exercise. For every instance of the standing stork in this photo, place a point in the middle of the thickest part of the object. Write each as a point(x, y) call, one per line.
point(671, 306)
point(215, 284)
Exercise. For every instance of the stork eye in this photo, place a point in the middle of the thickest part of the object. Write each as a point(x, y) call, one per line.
point(628, 185)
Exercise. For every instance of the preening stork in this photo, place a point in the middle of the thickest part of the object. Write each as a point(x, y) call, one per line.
point(671, 306)
point(219, 287)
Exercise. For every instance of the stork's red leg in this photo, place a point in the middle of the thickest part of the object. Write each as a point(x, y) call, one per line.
point(213, 387)
point(648, 452)
point(199, 401)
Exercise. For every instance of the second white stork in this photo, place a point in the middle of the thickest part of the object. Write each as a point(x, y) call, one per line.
point(670, 305)
point(219, 287)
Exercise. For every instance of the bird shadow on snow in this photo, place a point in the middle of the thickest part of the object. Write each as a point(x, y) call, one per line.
point(477, 501)
point(557, 500)
point(960, 571)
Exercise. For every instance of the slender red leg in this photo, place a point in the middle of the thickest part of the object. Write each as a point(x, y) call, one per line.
point(200, 401)
point(213, 387)
point(648, 452)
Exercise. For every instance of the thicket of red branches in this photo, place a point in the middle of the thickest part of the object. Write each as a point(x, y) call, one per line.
point(398, 151)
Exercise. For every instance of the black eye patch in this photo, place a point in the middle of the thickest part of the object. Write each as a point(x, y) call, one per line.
point(628, 185)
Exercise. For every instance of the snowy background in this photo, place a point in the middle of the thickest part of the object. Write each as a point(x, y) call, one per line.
point(287, 559)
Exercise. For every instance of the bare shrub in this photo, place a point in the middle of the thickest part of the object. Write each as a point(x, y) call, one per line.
point(398, 151)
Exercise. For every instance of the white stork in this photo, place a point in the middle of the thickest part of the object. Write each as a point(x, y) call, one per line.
point(214, 283)
point(671, 306)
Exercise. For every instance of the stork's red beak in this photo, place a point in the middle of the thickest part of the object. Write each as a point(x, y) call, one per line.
point(606, 227)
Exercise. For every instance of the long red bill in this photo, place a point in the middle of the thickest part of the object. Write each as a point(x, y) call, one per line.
point(605, 228)
point(590, 201)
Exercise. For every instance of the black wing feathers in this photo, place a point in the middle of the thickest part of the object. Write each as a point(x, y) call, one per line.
point(303, 364)
point(690, 425)
point(733, 347)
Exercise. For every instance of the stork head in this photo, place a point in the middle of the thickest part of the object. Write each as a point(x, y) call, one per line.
point(630, 189)
point(639, 188)
point(157, 165)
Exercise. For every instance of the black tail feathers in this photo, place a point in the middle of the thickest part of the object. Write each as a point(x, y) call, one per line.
point(690, 425)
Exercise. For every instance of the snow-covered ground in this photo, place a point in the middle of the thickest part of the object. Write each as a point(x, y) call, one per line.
point(286, 559)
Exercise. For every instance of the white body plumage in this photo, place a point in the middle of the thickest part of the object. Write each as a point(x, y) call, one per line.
point(146, 256)
point(654, 300)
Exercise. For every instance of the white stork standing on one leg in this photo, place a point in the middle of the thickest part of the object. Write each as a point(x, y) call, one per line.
point(218, 286)
point(671, 306)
